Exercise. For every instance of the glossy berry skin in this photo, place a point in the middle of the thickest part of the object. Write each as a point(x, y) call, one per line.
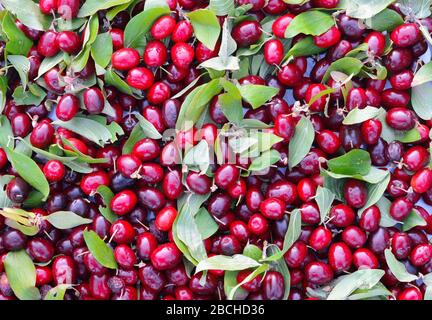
point(94, 100)
point(273, 286)
point(401, 245)
point(165, 218)
point(146, 243)
point(155, 54)
point(67, 107)
point(166, 256)
point(92, 181)
point(272, 208)
point(42, 135)
point(376, 43)
point(399, 59)
point(246, 33)
point(146, 149)
point(421, 254)
point(422, 180)
point(200, 184)
point(328, 141)
point(182, 31)
point(318, 273)
point(312, 91)
point(122, 232)
point(163, 27)
point(402, 80)
point(354, 237)
point(371, 131)
point(68, 9)
point(47, 6)
point(296, 255)
point(284, 126)
point(63, 270)
point(400, 119)
point(405, 35)
point(140, 78)
point(69, 42)
point(401, 208)
point(328, 38)
point(355, 193)
point(340, 257)
point(125, 256)
point(289, 75)
point(320, 238)
point(415, 158)
point(125, 59)
point(370, 218)
point(365, 259)
point(281, 24)
point(411, 293)
point(226, 175)
point(342, 216)
point(182, 54)
point(54, 170)
point(123, 202)
point(273, 51)
point(257, 224)
point(48, 44)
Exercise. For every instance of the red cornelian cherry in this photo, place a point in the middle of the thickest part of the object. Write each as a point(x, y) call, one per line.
point(155, 54)
point(312, 91)
point(284, 126)
point(320, 238)
point(67, 107)
point(123, 202)
point(92, 181)
point(370, 218)
point(125, 256)
point(355, 193)
point(246, 33)
point(42, 135)
point(272, 208)
point(94, 100)
point(340, 257)
point(163, 27)
point(421, 254)
point(422, 180)
point(342, 216)
point(69, 42)
point(328, 38)
point(405, 35)
point(318, 273)
point(400, 118)
point(411, 293)
point(182, 31)
point(122, 232)
point(117, 36)
point(166, 256)
point(125, 59)
point(273, 51)
point(182, 54)
point(328, 141)
point(306, 189)
point(290, 75)
point(48, 44)
point(165, 218)
point(198, 183)
point(257, 224)
point(146, 149)
point(140, 78)
point(376, 43)
point(226, 175)
point(48, 6)
point(281, 24)
point(371, 131)
point(415, 158)
point(54, 171)
point(68, 9)
point(251, 286)
point(365, 259)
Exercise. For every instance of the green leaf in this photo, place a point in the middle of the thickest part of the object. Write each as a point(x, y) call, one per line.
point(413, 220)
point(310, 23)
point(375, 193)
point(207, 226)
point(195, 104)
point(100, 250)
point(347, 65)
point(291, 236)
point(230, 263)
point(364, 9)
point(366, 278)
point(138, 26)
point(28, 13)
point(420, 97)
point(198, 157)
point(281, 267)
point(147, 127)
point(357, 115)
point(32, 97)
point(5, 132)
point(389, 134)
point(22, 66)
point(21, 274)
point(384, 206)
point(233, 289)
point(231, 107)
point(253, 251)
point(419, 8)
point(423, 75)
point(50, 62)
point(304, 48)
point(187, 231)
point(219, 64)
point(398, 268)
point(228, 45)
point(102, 49)
point(257, 95)
point(265, 160)
point(374, 176)
point(386, 20)
point(324, 198)
point(301, 143)
point(88, 128)
point(107, 195)
point(91, 7)
point(58, 292)
point(221, 7)
point(113, 79)
point(206, 26)
point(377, 291)
point(3, 92)
point(66, 220)
point(30, 172)
point(18, 43)
point(354, 162)
point(136, 135)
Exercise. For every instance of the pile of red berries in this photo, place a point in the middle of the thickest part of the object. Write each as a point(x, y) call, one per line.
point(193, 149)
